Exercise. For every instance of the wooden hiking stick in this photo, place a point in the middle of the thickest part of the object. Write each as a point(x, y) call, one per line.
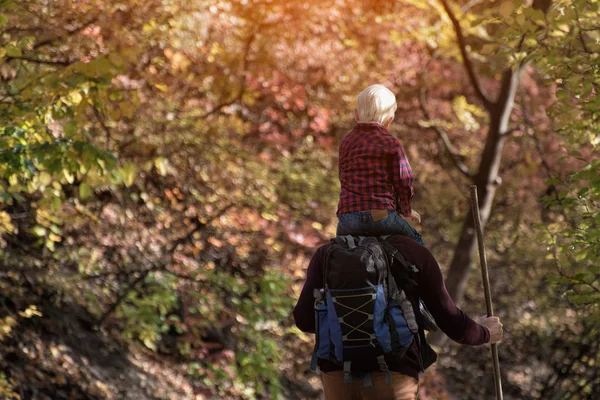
point(486, 286)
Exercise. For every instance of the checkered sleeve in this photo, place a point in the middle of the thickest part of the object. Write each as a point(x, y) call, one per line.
point(402, 179)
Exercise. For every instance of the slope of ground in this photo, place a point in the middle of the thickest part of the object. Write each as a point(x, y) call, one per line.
point(60, 355)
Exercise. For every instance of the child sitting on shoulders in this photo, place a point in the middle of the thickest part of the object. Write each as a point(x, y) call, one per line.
point(375, 176)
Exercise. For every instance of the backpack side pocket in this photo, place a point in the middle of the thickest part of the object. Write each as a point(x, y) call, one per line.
point(404, 334)
point(322, 331)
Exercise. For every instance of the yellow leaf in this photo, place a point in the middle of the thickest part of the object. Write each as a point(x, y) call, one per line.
point(162, 87)
point(116, 59)
point(6, 222)
point(488, 49)
point(31, 311)
point(506, 8)
point(162, 165)
point(149, 343)
point(45, 178)
point(39, 230)
point(126, 109)
point(114, 114)
point(68, 176)
point(128, 174)
point(75, 97)
point(54, 237)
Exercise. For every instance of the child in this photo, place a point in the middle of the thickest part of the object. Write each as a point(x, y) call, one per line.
point(375, 177)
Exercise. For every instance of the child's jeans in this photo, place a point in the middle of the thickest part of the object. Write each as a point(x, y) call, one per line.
point(362, 223)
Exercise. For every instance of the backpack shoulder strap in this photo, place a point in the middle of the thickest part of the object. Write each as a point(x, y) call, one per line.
point(348, 240)
point(428, 355)
point(396, 255)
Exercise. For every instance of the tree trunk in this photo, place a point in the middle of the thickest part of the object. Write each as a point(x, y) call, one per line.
point(487, 180)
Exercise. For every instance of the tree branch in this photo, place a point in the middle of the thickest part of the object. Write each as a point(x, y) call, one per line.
point(124, 294)
point(508, 132)
point(67, 33)
point(444, 138)
point(242, 68)
point(466, 59)
point(160, 266)
point(222, 105)
point(40, 61)
point(470, 5)
point(104, 127)
point(534, 134)
point(199, 226)
point(580, 32)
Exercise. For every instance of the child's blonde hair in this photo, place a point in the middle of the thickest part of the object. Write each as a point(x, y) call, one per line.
point(376, 104)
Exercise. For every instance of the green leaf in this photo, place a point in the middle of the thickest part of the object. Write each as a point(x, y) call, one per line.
point(85, 191)
point(39, 230)
point(26, 42)
point(5, 197)
point(56, 203)
point(50, 245)
point(18, 197)
point(3, 20)
point(13, 51)
point(70, 128)
point(594, 269)
point(583, 192)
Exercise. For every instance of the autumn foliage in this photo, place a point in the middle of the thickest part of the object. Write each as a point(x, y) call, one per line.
point(168, 167)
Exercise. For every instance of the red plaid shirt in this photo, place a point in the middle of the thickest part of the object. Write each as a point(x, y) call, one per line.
point(374, 172)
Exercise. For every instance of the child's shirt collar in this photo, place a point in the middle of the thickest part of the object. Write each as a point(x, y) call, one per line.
point(371, 126)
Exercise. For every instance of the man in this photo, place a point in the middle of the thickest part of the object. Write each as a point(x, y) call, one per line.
point(405, 370)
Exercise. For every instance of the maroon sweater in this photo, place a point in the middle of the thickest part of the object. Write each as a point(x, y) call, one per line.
point(451, 320)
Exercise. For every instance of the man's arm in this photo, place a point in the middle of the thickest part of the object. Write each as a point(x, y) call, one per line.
point(304, 314)
point(455, 323)
point(451, 320)
point(402, 180)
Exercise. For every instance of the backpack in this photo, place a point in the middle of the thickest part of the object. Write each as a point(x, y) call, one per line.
point(367, 309)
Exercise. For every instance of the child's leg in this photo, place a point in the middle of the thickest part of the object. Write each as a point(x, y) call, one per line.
point(353, 223)
point(394, 224)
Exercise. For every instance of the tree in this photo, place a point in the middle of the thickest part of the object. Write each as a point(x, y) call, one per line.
point(486, 178)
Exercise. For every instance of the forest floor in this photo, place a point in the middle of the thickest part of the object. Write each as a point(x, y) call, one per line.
point(60, 355)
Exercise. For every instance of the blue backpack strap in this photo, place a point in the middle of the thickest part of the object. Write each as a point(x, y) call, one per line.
point(368, 380)
point(313, 360)
point(384, 368)
point(347, 373)
point(318, 295)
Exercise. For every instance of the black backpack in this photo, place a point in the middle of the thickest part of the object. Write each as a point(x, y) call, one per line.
point(368, 307)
